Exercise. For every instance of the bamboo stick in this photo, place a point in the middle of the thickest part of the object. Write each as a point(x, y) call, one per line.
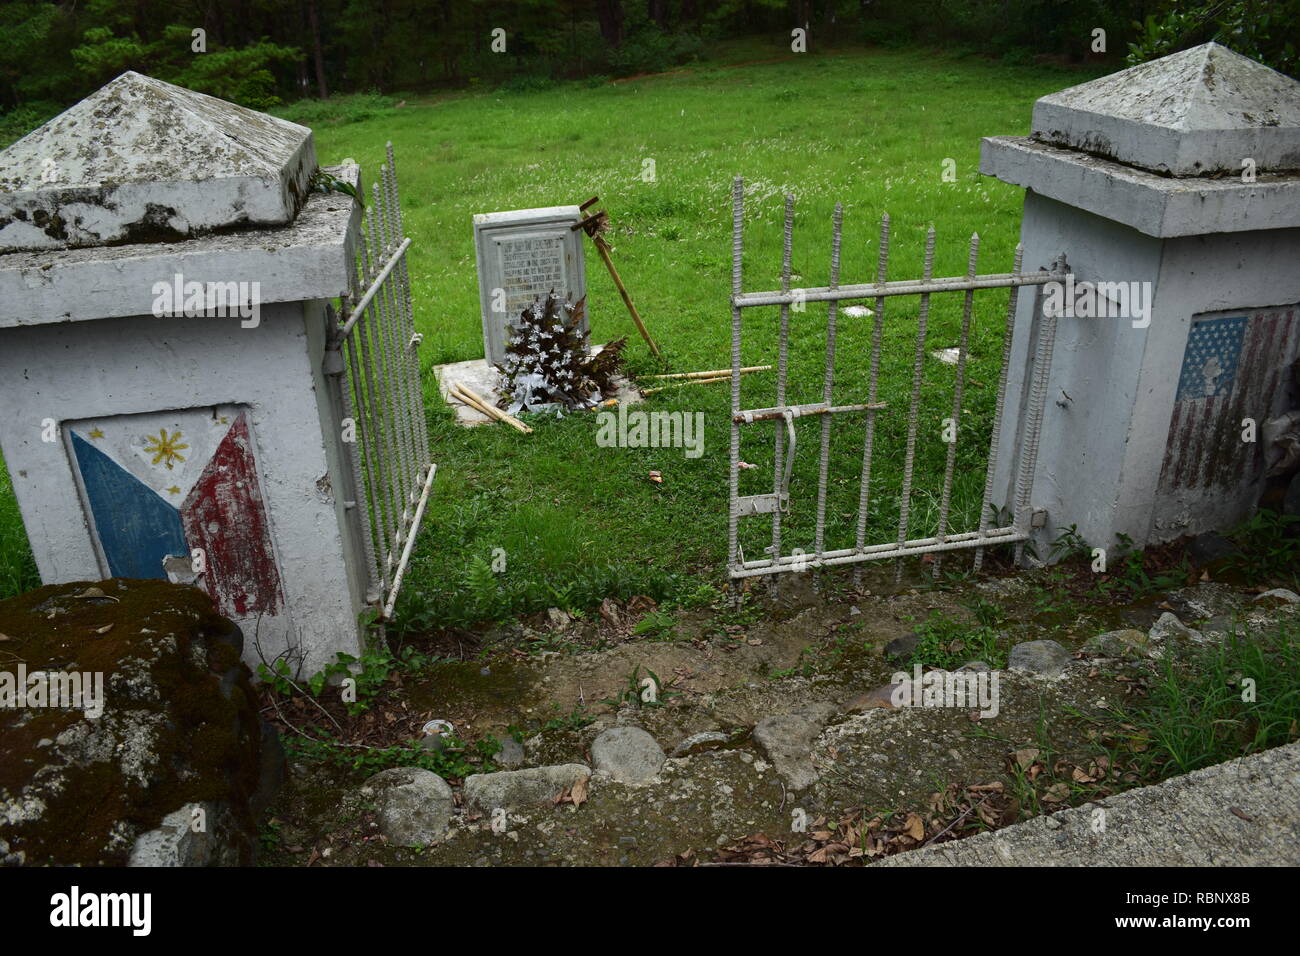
point(713, 373)
point(476, 401)
point(692, 381)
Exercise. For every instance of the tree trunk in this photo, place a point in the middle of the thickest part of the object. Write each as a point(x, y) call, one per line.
point(318, 53)
point(610, 15)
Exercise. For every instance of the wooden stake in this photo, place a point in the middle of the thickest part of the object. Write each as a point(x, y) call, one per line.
point(603, 248)
point(474, 400)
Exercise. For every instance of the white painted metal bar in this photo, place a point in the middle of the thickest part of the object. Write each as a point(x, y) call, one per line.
point(410, 542)
point(880, 290)
point(828, 380)
point(869, 439)
point(782, 365)
point(950, 462)
point(910, 548)
point(737, 254)
point(909, 459)
point(751, 415)
point(1034, 414)
point(364, 302)
point(986, 503)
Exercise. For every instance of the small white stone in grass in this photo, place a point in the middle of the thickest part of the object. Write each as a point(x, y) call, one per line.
point(857, 311)
point(947, 356)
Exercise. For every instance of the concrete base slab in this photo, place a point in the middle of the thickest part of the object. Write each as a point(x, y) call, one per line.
point(1244, 812)
point(478, 375)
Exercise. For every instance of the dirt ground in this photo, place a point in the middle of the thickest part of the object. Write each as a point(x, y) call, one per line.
point(886, 778)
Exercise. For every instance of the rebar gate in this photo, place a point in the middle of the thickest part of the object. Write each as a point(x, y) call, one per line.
point(777, 502)
point(376, 345)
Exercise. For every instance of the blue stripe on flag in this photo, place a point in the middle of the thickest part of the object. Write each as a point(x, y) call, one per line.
point(137, 529)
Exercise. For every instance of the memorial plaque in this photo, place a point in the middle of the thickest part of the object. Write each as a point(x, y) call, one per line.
point(523, 255)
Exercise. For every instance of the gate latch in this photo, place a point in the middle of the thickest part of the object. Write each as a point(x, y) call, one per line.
point(747, 505)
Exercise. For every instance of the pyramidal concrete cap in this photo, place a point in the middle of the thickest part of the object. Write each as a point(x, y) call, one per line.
point(141, 160)
point(1195, 113)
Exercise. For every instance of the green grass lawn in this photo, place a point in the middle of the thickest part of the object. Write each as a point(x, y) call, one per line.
point(870, 130)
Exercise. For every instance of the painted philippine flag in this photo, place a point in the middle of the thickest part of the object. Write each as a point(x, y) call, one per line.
point(180, 484)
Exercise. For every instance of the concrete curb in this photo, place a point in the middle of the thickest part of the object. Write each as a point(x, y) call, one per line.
point(1245, 812)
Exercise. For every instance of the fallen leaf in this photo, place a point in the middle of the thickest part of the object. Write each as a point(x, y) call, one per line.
point(579, 795)
point(104, 630)
point(1057, 793)
point(1025, 757)
point(914, 827)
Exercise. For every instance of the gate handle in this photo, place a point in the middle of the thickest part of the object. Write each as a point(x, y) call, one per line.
point(784, 503)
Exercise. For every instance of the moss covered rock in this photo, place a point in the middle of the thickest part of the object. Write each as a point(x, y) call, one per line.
point(178, 724)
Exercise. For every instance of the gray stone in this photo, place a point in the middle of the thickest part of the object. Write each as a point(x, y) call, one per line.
point(558, 619)
point(413, 805)
point(901, 647)
point(1219, 624)
point(882, 696)
point(511, 754)
point(698, 743)
point(521, 788)
point(628, 754)
point(1043, 658)
point(141, 160)
point(974, 667)
point(1127, 643)
point(1278, 594)
point(819, 712)
point(1168, 626)
point(177, 842)
point(787, 741)
point(1193, 113)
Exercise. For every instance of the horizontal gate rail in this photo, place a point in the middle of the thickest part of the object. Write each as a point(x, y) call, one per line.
point(877, 290)
point(778, 502)
point(375, 344)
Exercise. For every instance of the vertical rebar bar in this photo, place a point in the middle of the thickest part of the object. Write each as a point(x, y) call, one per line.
point(986, 516)
point(411, 337)
point(372, 340)
point(832, 313)
point(737, 251)
point(782, 365)
point(365, 515)
point(869, 440)
point(958, 387)
point(400, 380)
point(905, 502)
point(1034, 419)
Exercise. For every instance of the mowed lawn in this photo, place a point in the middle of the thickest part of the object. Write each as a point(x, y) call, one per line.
point(871, 130)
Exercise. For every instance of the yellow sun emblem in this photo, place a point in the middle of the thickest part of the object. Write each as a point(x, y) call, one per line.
point(165, 448)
